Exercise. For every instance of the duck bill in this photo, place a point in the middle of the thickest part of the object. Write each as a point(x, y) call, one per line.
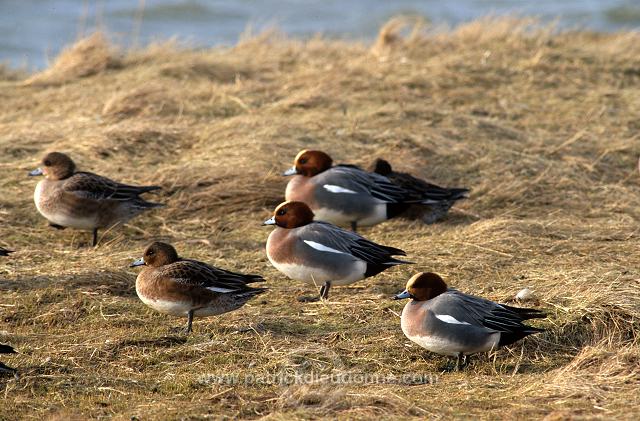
point(270, 221)
point(37, 171)
point(290, 171)
point(137, 262)
point(402, 296)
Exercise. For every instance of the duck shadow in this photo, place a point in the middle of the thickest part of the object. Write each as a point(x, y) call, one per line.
point(114, 283)
point(293, 327)
point(454, 218)
point(167, 341)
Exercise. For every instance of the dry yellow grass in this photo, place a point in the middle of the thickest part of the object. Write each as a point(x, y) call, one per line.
point(542, 126)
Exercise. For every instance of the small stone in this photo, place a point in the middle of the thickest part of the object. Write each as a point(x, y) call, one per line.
point(525, 294)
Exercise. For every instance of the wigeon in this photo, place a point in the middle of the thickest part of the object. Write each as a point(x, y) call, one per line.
point(347, 195)
point(85, 201)
point(448, 322)
point(6, 349)
point(442, 197)
point(322, 254)
point(344, 195)
point(5, 252)
point(188, 288)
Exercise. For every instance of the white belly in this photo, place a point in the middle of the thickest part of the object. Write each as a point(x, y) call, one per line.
point(178, 308)
point(168, 307)
point(378, 214)
point(62, 218)
point(317, 276)
point(435, 344)
point(442, 346)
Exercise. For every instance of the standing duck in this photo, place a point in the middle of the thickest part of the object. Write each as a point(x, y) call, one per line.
point(343, 195)
point(320, 253)
point(449, 322)
point(347, 195)
point(83, 200)
point(188, 288)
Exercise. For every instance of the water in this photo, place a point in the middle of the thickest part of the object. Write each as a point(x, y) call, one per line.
point(34, 31)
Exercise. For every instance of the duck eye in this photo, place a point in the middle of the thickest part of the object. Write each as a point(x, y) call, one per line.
point(47, 163)
point(281, 212)
point(150, 253)
point(302, 160)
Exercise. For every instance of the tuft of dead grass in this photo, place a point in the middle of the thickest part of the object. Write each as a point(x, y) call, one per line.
point(147, 101)
point(540, 124)
point(89, 56)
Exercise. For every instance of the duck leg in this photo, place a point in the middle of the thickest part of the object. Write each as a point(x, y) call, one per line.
point(188, 329)
point(354, 226)
point(324, 290)
point(95, 237)
point(463, 361)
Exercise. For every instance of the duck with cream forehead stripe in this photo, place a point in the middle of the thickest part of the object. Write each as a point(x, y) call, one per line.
point(346, 195)
point(84, 200)
point(449, 322)
point(188, 288)
point(322, 254)
point(442, 198)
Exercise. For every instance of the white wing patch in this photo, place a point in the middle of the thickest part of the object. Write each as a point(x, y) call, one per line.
point(218, 289)
point(322, 247)
point(337, 189)
point(450, 319)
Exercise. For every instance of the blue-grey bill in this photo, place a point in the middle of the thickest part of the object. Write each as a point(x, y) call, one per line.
point(37, 171)
point(403, 295)
point(291, 171)
point(270, 221)
point(137, 262)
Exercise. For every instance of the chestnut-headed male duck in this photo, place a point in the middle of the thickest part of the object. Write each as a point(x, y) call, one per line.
point(442, 197)
point(5, 252)
point(449, 322)
point(346, 194)
point(6, 349)
point(322, 254)
point(188, 288)
point(82, 200)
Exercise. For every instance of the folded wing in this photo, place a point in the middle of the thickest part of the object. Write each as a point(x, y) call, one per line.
point(377, 256)
point(93, 186)
point(193, 272)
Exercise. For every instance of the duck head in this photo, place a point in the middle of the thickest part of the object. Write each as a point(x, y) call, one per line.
point(157, 254)
point(291, 215)
point(309, 163)
point(382, 167)
point(423, 286)
point(55, 166)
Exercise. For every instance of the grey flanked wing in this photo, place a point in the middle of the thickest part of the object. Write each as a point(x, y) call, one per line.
point(92, 186)
point(355, 179)
point(193, 272)
point(479, 312)
point(425, 192)
point(349, 242)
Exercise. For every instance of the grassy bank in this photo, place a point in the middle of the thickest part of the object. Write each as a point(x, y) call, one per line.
point(542, 127)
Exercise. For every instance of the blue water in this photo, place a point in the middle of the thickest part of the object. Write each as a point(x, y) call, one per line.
point(34, 31)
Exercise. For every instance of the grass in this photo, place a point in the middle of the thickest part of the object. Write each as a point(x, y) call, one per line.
point(542, 126)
